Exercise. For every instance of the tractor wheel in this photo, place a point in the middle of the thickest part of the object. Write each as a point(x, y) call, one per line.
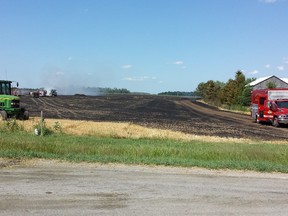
point(3, 115)
point(25, 115)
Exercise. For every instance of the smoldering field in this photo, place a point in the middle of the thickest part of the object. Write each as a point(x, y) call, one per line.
point(178, 115)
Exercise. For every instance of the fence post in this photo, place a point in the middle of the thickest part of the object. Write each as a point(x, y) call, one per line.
point(41, 123)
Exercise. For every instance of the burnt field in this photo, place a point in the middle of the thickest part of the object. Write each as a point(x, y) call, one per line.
point(154, 111)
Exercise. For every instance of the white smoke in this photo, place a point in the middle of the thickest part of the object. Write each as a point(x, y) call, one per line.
point(68, 82)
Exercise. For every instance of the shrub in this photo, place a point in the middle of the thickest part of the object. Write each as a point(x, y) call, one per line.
point(41, 129)
point(11, 125)
point(57, 127)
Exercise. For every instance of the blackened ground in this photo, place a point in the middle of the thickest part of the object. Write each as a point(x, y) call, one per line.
point(178, 114)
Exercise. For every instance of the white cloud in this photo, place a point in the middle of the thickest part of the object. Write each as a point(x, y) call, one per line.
point(126, 66)
point(178, 62)
point(268, 1)
point(281, 68)
point(285, 60)
point(129, 78)
point(254, 72)
point(139, 79)
point(267, 66)
point(59, 73)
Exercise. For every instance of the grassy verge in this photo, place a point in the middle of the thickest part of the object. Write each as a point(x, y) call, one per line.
point(213, 155)
point(237, 109)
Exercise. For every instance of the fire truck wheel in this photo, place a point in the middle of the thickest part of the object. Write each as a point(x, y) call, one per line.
point(275, 122)
point(3, 115)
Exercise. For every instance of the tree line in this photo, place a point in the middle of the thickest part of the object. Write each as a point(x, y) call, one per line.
point(113, 91)
point(177, 93)
point(232, 93)
point(104, 91)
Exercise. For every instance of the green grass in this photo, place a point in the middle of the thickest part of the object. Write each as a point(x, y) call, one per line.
point(259, 157)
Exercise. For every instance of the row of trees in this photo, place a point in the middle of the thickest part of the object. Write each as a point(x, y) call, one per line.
point(113, 91)
point(177, 93)
point(233, 92)
point(103, 91)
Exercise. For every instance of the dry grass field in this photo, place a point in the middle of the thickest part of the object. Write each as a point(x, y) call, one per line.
point(122, 130)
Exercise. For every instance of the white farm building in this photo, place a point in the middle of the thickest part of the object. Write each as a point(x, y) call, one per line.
point(262, 83)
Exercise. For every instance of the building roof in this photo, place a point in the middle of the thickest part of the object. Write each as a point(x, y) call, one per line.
point(259, 80)
point(285, 80)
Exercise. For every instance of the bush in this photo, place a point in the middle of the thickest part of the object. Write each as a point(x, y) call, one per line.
point(11, 125)
point(42, 129)
point(57, 127)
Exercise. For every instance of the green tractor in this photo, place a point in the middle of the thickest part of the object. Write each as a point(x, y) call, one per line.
point(10, 104)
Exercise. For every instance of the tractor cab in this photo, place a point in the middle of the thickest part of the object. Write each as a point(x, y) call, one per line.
point(10, 104)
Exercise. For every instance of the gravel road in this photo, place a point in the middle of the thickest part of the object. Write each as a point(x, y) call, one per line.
point(43, 188)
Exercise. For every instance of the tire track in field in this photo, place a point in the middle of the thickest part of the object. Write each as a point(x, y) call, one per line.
point(31, 108)
point(42, 105)
point(47, 107)
point(210, 113)
point(57, 105)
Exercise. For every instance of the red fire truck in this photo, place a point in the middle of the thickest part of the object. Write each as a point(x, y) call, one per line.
point(270, 105)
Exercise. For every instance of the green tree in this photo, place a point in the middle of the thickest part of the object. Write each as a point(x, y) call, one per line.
point(211, 92)
point(228, 92)
point(200, 89)
point(271, 85)
point(240, 82)
point(245, 97)
point(232, 92)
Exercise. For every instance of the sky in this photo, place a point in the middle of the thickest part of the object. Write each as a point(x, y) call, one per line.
point(147, 46)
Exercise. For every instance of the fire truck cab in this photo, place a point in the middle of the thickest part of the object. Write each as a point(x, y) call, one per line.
point(270, 105)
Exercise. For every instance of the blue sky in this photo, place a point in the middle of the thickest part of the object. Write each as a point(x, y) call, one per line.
point(142, 45)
